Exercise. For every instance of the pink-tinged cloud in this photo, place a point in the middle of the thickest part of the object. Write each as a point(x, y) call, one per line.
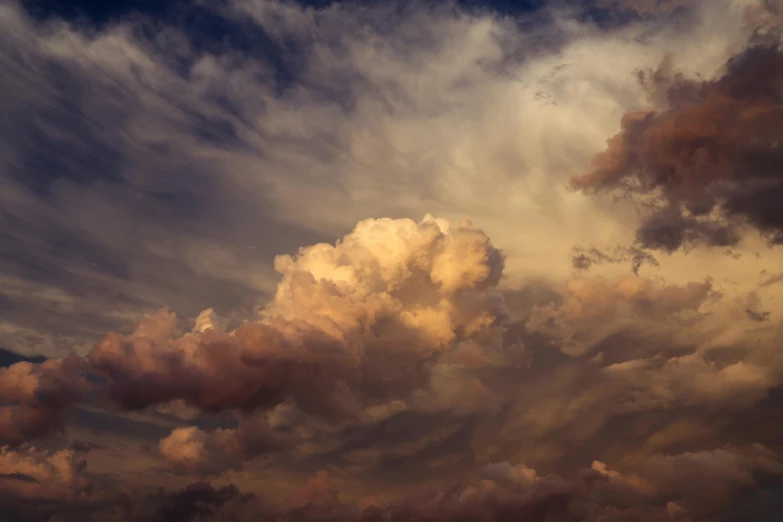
point(193, 451)
point(35, 397)
point(48, 475)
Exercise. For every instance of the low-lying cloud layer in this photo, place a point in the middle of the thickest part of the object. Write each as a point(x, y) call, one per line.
point(565, 355)
point(680, 487)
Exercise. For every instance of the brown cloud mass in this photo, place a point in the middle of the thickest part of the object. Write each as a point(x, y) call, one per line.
point(193, 451)
point(709, 161)
point(688, 487)
point(34, 397)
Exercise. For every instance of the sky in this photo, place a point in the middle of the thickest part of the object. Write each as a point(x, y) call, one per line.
point(391, 261)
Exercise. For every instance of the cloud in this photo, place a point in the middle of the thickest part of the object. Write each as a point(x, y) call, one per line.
point(584, 258)
point(196, 452)
point(149, 164)
point(669, 487)
point(653, 346)
point(702, 483)
point(351, 326)
point(39, 474)
point(610, 354)
point(707, 159)
point(319, 500)
point(201, 499)
point(116, 153)
point(191, 450)
point(595, 307)
point(154, 165)
point(506, 472)
point(34, 397)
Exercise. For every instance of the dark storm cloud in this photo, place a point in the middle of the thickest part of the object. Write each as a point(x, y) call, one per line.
point(710, 159)
point(201, 501)
point(192, 451)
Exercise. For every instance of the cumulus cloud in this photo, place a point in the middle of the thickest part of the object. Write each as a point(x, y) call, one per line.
point(201, 500)
point(352, 325)
point(194, 451)
point(46, 475)
point(34, 397)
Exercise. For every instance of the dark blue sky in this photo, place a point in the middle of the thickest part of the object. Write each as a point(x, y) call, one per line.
point(101, 12)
